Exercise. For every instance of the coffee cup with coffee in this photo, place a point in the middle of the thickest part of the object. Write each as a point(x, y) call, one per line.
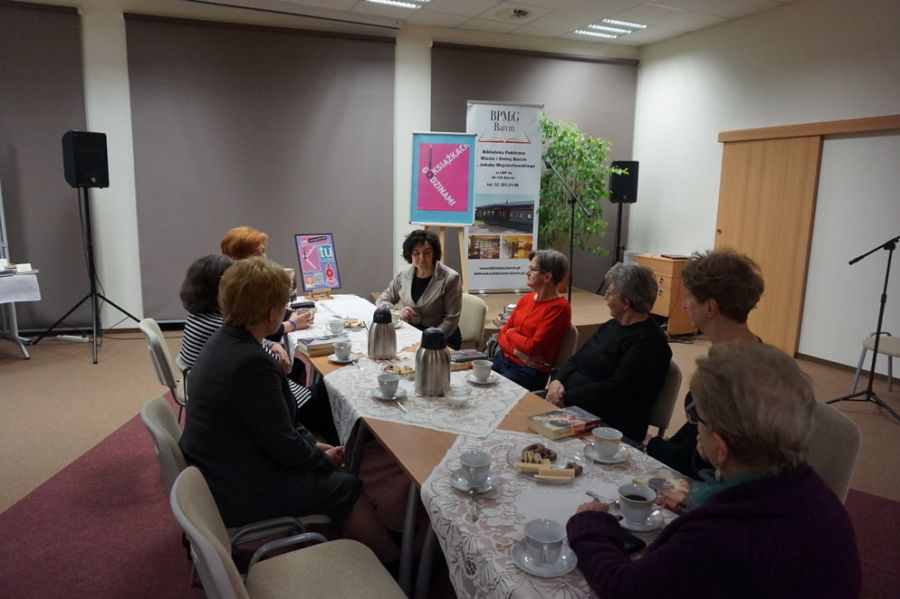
point(544, 541)
point(481, 370)
point(388, 383)
point(606, 441)
point(476, 466)
point(335, 326)
point(636, 503)
point(342, 350)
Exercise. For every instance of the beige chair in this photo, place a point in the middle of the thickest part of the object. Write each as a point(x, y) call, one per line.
point(664, 406)
point(834, 448)
point(887, 345)
point(567, 347)
point(342, 568)
point(165, 433)
point(166, 371)
point(471, 319)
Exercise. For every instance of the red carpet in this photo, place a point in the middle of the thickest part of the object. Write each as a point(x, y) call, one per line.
point(102, 528)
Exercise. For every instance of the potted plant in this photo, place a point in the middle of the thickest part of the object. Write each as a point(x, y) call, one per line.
point(581, 160)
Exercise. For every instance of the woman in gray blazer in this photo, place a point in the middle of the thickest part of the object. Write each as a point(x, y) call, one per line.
point(427, 293)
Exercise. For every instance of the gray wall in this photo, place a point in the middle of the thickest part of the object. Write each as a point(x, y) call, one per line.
point(596, 96)
point(287, 131)
point(42, 97)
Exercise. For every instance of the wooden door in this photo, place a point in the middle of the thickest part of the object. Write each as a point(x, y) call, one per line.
point(767, 201)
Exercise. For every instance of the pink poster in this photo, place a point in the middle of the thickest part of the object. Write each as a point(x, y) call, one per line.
point(443, 178)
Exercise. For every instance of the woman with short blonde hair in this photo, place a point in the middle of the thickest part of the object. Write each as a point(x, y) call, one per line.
point(240, 429)
point(753, 534)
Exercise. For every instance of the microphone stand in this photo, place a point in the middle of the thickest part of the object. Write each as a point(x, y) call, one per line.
point(868, 394)
point(573, 200)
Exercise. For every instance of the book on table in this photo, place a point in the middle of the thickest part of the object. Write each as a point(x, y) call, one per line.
point(564, 422)
point(467, 355)
point(316, 346)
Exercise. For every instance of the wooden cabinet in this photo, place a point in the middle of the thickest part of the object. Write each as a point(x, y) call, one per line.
point(670, 298)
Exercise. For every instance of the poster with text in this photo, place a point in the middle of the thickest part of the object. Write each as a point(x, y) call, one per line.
point(443, 179)
point(508, 154)
point(318, 261)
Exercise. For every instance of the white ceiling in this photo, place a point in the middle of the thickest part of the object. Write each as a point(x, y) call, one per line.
point(543, 18)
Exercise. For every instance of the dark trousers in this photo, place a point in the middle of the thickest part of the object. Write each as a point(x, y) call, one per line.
point(528, 377)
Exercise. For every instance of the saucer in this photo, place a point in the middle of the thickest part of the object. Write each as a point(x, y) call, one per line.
point(492, 378)
point(590, 451)
point(653, 522)
point(336, 360)
point(459, 482)
point(400, 394)
point(565, 563)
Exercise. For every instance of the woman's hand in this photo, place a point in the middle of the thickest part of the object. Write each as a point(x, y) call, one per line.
point(336, 455)
point(283, 359)
point(536, 362)
point(298, 320)
point(555, 393)
point(593, 506)
point(407, 313)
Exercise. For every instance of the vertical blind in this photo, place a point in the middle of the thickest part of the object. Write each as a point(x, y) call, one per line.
point(283, 130)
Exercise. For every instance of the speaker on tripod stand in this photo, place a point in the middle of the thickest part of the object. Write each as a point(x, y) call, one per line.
point(85, 165)
point(623, 189)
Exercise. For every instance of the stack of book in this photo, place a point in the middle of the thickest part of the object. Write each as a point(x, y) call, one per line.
point(565, 422)
point(501, 318)
point(316, 346)
point(467, 355)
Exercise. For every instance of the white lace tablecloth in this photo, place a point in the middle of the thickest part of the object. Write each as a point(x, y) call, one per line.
point(350, 389)
point(478, 551)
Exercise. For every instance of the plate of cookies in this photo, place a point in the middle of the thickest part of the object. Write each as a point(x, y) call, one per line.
point(353, 323)
point(407, 371)
point(546, 463)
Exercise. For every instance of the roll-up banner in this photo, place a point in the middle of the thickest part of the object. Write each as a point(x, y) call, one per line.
point(507, 191)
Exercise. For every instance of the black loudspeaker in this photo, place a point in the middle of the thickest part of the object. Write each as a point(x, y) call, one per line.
point(84, 159)
point(623, 188)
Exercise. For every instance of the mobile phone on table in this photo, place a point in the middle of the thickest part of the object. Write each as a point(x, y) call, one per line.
point(304, 305)
point(632, 543)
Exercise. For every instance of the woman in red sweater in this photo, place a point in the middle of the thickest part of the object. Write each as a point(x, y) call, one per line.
point(530, 339)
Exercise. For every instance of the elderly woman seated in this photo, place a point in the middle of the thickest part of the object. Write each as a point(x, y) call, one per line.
point(618, 373)
point(769, 526)
point(240, 429)
point(529, 341)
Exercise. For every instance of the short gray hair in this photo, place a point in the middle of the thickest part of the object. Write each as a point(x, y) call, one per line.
point(634, 284)
point(553, 262)
point(758, 400)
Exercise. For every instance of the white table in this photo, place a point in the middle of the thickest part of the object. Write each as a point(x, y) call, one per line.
point(477, 541)
point(20, 287)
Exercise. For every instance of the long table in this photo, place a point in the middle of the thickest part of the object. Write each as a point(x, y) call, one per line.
point(423, 454)
point(21, 287)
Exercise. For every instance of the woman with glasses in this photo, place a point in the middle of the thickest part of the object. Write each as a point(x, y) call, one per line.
point(529, 341)
point(721, 288)
point(428, 293)
point(770, 527)
point(618, 373)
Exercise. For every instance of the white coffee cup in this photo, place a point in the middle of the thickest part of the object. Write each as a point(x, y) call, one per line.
point(544, 540)
point(387, 384)
point(636, 502)
point(335, 325)
point(481, 370)
point(606, 441)
point(342, 350)
point(476, 466)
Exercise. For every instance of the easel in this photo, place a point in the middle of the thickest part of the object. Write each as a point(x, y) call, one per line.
point(463, 254)
point(319, 294)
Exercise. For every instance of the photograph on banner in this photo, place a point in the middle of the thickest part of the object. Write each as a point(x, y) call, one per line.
point(318, 261)
point(443, 179)
point(507, 192)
